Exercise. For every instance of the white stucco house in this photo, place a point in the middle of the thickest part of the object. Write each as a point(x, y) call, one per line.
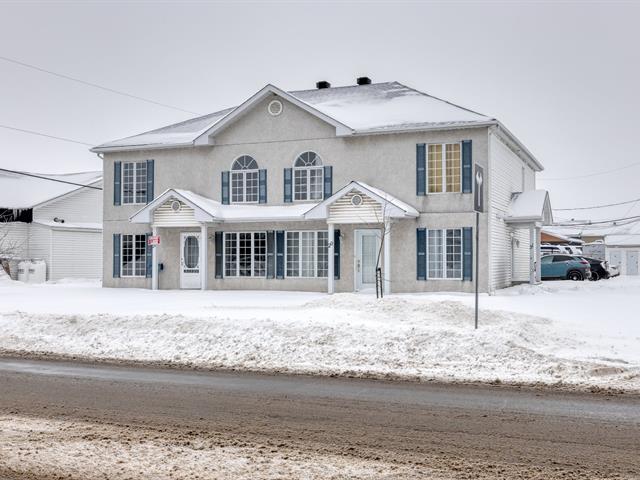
point(55, 219)
point(316, 189)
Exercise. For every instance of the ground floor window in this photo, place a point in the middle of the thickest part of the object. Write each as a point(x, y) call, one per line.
point(134, 251)
point(444, 253)
point(245, 254)
point(307, 254)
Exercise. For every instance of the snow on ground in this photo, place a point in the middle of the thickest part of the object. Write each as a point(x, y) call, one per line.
point(584, 334)
point(41, 448)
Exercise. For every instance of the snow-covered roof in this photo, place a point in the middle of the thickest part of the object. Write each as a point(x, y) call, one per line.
point(69, 225)
point(353, 110)
point(530, 206)
point(21, 192)
point(631, 240)
point(209, 210)
point(394, 207)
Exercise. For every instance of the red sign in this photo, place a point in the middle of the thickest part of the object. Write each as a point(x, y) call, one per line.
point(153, 240)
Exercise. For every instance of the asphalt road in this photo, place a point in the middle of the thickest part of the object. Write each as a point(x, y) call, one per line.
point(459, 431)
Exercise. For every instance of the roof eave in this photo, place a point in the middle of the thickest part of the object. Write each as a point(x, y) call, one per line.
point(522, 149)
point(421, 128)
point(129, 148)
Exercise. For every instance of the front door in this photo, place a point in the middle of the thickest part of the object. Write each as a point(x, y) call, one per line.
point(190, 260)
point(366, 248)
point(632, 262)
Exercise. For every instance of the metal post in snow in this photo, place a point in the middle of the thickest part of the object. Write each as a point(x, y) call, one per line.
point(477, 264)
point(478, 206)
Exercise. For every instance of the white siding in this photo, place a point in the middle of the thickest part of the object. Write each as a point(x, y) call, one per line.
point(506, 178)
point(40, 244)
point(164, 216)
point(343, 211)
point(14, 238)
point(81, 206)
point(76, 254)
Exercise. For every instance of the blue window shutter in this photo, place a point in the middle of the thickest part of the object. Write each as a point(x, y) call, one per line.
point(271, 250)
point(225, 188)
point(116, 255)
point(117, 183)
point(336, 254)
point(421, 169)
point(280, 254)
point(421, 244)
point(467, 178)
point(150, 179)
point(328, 181)
point(218, 247)
point(467, 253)
point(149, 254)
point(287, 184)
point(262, 188)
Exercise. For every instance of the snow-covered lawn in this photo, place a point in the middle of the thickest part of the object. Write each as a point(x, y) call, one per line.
point(584, 334)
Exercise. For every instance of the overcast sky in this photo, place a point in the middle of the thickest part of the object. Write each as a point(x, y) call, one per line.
point(564, 77)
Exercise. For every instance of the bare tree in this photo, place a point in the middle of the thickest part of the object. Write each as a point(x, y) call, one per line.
point(9, 247)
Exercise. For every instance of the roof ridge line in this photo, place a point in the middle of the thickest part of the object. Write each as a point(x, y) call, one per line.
point(443, 100)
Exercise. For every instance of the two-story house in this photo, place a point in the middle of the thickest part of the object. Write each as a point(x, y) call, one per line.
point(314, 190)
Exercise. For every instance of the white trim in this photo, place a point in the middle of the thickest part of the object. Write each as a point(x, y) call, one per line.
point(443, 164)
point(135, 182)
point(315, 254)
point(134, 235)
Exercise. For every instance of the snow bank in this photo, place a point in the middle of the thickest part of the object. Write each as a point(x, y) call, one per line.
point(527, 335)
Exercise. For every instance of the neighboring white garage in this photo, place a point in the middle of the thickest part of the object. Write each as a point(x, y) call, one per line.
point(57, 219)
point(624, 252)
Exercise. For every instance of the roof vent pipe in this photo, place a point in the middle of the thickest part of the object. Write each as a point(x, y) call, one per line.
point(363, 81)
point(322, 84)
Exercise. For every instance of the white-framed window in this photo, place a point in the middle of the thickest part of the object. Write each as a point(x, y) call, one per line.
point(133, 256)
point(134, 182)
point(307, 254)
point(245, 254)
point(444, 168)
point(308, 177)
point(444, 254)
point(244, 180)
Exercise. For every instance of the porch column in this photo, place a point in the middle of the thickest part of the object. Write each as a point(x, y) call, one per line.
point(204, 243)
point(330, 270)
point(154, 261)
point(538, 255)
point(532, 255)
point(387, 256)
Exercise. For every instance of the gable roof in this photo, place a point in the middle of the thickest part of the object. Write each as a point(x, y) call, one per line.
point(21, 192)
point(396, 208)
point(530, 206)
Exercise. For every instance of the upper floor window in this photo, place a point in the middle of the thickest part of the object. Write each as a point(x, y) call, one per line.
point(444, 168)
point(134, 182)
point(244, 180)
point(308, 177)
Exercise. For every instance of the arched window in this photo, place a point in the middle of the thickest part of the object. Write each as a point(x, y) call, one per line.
point(244, 180)
point(307, 177)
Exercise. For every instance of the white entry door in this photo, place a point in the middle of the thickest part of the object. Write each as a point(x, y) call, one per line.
point(367, 247)
point(190, 260)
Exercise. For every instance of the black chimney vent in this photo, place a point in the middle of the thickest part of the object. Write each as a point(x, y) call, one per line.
point(322, 84)
point(363, 81)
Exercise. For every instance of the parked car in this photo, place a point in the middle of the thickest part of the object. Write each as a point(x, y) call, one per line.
point(614, 271)
point(599, 268)
point(564, 267)
point(548, 249)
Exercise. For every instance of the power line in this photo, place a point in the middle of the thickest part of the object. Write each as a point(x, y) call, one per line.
point(94, 85)
point(27, 174)
point(46, 135)
point(604, 172)
point(615, 221)
point(598, 206)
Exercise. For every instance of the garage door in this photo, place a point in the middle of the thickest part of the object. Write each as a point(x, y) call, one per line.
point(76, 254)
point(632, 262)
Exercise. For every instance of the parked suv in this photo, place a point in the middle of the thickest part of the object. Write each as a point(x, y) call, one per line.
point(564, 267)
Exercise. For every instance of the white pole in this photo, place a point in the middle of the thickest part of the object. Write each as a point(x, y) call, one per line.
point(204, 242)
point(538, 255)
point(154, 261)
point(330, 270)
point(387, 256)
point(532, 255)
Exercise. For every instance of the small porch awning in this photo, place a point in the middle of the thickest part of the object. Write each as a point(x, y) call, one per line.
point(358, 202)
point(176, 207)
point(531, 207)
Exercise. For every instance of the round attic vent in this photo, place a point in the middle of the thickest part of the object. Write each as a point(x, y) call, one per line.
point(356, 200)
point(275, 108)
point(176, 206)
